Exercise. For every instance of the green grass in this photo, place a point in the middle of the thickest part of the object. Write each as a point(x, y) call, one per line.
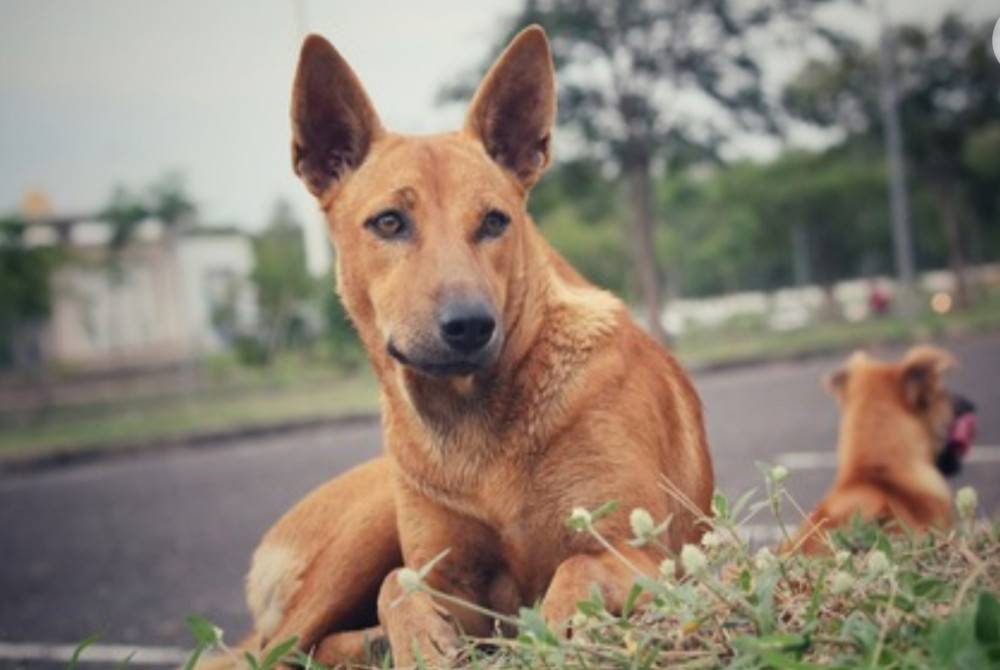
point(152, 419)
point(878, 600)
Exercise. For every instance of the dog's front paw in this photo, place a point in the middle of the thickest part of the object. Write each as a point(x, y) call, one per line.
point(417, 628)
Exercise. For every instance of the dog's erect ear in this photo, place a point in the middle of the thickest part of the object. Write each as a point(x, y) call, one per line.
point(836, 383)
point(333, 122)
point(514, 108)
point(922, 370)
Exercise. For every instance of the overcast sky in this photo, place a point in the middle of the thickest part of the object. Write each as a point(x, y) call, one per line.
point(95, 93)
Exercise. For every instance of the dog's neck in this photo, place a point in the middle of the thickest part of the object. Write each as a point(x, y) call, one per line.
point(874, 448)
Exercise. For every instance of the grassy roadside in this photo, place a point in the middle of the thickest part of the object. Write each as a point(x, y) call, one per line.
point(878, 600)
point(128, 422)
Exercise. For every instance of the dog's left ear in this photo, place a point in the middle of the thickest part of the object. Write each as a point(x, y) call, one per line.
point(836, 382)
point(514, 108)
point(922, 370)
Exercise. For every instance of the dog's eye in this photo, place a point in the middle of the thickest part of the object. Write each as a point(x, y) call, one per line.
point(389, 225)
point(493, 224)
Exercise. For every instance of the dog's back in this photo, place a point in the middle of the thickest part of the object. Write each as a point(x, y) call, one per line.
point(896, 418)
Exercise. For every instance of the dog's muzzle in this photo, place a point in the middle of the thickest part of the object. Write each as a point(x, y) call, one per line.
point(468, 340)
point(961, 434)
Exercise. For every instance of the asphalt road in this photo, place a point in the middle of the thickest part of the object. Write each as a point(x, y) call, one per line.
point(128, 546)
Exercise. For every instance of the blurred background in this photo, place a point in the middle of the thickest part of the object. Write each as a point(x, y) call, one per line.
point(768, 183)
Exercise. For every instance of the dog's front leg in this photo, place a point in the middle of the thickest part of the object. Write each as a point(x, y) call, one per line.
point(613, 574)
point(415, 624)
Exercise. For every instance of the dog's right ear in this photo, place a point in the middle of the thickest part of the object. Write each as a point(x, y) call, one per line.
point(333, 122)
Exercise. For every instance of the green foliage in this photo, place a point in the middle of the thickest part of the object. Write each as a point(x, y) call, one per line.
point(25, 294)
point(74, 660)
point(340, 337)
point(596, 250)
point(734, 229)
point(165, 199)
point(981, 152)
point(894, 601)
point(948, 107)
point(281, 277)
point(582, 185)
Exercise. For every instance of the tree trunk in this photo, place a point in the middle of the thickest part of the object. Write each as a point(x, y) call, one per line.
point(642, 243)
point(801, 261)
point(953, 235)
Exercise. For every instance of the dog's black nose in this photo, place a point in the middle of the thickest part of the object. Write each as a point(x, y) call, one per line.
point(466, 326)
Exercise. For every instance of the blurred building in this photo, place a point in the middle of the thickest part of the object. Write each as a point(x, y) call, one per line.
point(171, 293)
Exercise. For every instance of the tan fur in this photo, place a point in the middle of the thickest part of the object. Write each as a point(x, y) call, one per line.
point(894, 418)
point(579, 406)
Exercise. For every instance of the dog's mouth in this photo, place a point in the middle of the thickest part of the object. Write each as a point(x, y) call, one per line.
point(439, 368)
point(961, 435)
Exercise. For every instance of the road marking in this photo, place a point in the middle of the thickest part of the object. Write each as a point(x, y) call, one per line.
point(96, 653)
point(817, 460)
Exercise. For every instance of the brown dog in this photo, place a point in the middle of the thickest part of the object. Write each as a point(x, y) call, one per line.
point(901, 431)
point(512, 389)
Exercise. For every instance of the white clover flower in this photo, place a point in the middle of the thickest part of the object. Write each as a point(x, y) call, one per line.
point(693, 560)
point(580, 518)
point(967, 500)
point(877, 563)
point(668, 568)
point(409, 579)
point(779, 473)
point(712, 539)
point(764, 560)
point(841, 582)
point(642, 523)
point(842, 557)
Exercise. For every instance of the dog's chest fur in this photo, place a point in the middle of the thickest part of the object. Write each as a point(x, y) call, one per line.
point(494, 454)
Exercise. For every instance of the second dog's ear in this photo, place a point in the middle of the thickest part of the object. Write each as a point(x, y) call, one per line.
point(333, 122)
point(922, 370)
point(514, 108)
point(836, 383)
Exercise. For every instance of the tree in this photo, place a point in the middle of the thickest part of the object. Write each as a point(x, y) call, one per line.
point(949, 89)
point(123, 213)
point(644, 84)
point(741, 226)
point(340, 335)
point(168, 201)
point(25, 293)
point(280, 275)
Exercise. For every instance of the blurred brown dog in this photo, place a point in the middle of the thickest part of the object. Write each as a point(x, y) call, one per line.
point(512, 389)
point(901, 431)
